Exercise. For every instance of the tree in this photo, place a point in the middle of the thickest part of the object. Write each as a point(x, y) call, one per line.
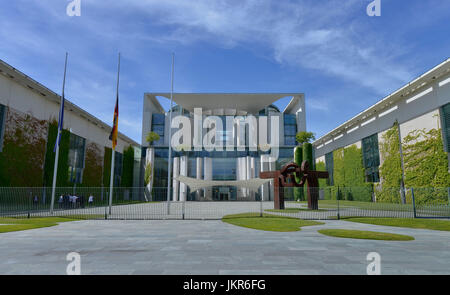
point(304, 136)
point(151, 137)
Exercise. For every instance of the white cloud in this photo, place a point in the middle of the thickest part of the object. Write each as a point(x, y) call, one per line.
point(327, 37)
point(312, 35)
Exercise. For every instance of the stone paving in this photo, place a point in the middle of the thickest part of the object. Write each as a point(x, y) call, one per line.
point(214, 247)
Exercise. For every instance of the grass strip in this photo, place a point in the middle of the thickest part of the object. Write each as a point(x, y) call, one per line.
point(366, 235)
point(268, 222)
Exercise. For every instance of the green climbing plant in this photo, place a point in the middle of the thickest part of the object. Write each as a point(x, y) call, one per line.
point(107, 166)
point(93, 165)
point(62, 178)
point(22, 158)
point(426, 166)
point(348, 171)
point(128, 167)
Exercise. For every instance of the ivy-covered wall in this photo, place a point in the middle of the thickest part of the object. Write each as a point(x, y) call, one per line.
point(320, 166)
point(426, 167)
point(299, 194)
point(107, 166)
point(27, 158)
point(63, 158)
point(348, 172)
point(93, 166)
point(22, 158)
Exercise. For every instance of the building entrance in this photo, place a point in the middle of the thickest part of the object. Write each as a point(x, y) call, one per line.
point(224, 193)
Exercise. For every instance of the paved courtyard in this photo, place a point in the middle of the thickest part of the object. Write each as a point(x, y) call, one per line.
point(214, 247)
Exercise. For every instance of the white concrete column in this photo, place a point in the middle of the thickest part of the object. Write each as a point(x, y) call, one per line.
point(265, 187)
point(207, 163)
point(272, 167)
point(176, 173)
point(149, 164)
point(252, 174)
point(248, 174)
point(183, 172)
point(199, 172)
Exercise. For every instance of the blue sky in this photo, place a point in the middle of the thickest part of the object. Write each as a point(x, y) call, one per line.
point(342, 59)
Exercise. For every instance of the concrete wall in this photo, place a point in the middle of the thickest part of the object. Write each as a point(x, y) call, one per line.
point(23, 99)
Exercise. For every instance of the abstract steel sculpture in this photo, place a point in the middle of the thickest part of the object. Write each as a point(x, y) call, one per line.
point(286, 178)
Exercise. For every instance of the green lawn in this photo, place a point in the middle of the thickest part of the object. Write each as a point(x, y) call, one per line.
point(366, 235)
point(294, 210)
point(433, 224)
point(363, 205)
point(18, 224)
point(268, 222)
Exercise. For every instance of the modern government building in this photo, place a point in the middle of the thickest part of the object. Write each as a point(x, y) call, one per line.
point(237, 160)
point(423, 104)
point(28, 111)
point(28, 125)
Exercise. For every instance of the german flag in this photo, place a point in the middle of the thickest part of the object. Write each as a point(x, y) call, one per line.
point(114, 131)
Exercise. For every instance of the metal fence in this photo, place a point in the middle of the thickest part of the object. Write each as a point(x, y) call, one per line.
point(138, 203)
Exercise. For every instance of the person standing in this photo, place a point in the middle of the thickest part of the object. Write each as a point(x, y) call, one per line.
point(60, 201)
point(91, 200)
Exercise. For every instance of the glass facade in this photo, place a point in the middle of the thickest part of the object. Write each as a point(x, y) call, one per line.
point(286, 155)
point(329, 164)
point(118, 167)
point(160, 167)
point(158, 124)
point(2, 124)
point(224, 168)
point(371, 158)
point(76, 158)
point(290, 129)
point(445, 110)
point(224, 163)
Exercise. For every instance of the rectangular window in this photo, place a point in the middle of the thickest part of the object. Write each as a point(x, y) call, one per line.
point(290, 140)
point(76, 158)
point(2, 124)
point(371, 158)
point(329, 164)
point(158, 125)
point(290, 129)
point(118, 165)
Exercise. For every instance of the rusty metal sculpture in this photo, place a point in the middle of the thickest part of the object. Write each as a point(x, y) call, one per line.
point(286, 178)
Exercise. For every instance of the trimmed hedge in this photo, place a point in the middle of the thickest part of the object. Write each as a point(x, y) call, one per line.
point(348, 174)
point(299, 194)
point(107, 166)
point(426, 166)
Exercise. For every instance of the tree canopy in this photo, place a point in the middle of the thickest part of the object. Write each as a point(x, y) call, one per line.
point(151, 137)
point(304, 136)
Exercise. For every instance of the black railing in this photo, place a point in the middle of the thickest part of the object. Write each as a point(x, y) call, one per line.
point(139, 203)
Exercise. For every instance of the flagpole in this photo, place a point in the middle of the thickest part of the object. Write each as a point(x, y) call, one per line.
point(170, 138)
point(114, 148)
point(61, 110)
